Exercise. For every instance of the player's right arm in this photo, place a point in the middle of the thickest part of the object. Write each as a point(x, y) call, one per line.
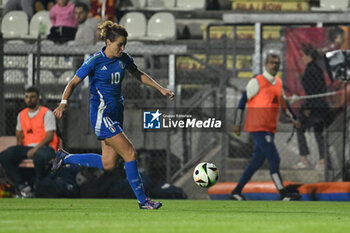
point(19, 132)
point(85, 70)
point(239, 114)
point(65, 96)
point(251, 90)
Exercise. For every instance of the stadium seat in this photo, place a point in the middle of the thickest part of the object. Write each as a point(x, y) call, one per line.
point(47, 77)
point(135, 24)
point(3, 3)
point(40, 19)
point(14, 24)
point(65, 77)
point(191, 4)
point(15, 41)
point(331, 5)
point(14, 77)
point(48, 42)
point(161, 26)
point(16, 62)
point(14, 83)
point(334, 5)
point(139, 3)
point(160, 4)
point(65, 62)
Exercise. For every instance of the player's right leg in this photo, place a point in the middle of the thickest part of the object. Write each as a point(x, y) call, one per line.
point(122, 146)
point(10, 159)
point(256, 162)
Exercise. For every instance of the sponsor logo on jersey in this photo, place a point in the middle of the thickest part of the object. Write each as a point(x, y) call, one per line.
point(122, 64)
point(104, 68)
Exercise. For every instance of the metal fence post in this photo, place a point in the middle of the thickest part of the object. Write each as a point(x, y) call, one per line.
point(222, 99)
point(171, 105)
point(2, 94)
point(257, 64)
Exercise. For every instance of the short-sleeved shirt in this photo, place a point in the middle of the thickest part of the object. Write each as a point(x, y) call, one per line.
point(86, 33)
point(49, 120)
point(105, 78)
point(106, 75)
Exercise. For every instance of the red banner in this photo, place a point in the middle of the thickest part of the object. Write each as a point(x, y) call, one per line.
point(319, 38)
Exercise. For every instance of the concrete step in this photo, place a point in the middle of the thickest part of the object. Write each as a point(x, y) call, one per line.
point(302, 176)
point(241, 163)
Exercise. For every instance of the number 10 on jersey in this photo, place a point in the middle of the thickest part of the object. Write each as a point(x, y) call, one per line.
point(115, 78)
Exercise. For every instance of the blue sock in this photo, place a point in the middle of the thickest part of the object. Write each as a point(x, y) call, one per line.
point(87, 160)
point(134, 178)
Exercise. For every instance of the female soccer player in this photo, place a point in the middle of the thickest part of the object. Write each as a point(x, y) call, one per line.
point(106, 72)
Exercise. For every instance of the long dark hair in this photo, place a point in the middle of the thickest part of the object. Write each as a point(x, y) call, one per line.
point(309, 50)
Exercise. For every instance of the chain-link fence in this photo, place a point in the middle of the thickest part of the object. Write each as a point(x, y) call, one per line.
point(204, 74)
point(314, 86)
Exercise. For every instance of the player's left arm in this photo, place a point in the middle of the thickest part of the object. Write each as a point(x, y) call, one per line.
point(287, 109)
point(147, 80)
point(47, 139)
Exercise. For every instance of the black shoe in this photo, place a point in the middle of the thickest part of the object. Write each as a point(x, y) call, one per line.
point(25, 191)
point(237, 196)
point(58, 162)
point(289, 196)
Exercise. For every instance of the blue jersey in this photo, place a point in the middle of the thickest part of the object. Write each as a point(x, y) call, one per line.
point(106, 75)
point(105, 79)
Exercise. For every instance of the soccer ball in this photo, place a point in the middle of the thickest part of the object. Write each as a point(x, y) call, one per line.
point(205, 174)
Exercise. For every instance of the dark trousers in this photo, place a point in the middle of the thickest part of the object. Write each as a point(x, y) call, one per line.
point(61, 34)
point(318, 125)
point(13, 156)
point(264, 148)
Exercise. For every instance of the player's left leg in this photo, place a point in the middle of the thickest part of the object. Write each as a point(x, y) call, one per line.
point(322, 148)
point(86, 160)
point(269, 149)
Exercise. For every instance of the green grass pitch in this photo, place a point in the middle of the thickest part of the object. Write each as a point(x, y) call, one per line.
point(114, 215)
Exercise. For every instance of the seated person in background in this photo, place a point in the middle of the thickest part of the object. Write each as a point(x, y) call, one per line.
point(86, 33)
point(23, 5)
point(87, 29)
point(64, 25)
point(36, 139)
point(40, 5)
point(103, 9)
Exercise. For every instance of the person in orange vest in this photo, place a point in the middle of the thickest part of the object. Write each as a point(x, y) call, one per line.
point(264, 96)
point(36, 139)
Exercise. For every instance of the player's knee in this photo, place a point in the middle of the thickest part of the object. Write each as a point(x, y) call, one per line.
point(108, 165)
